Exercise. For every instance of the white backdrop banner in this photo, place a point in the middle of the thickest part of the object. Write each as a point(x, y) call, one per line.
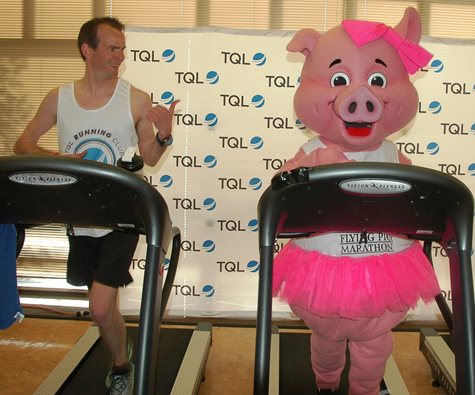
point(235, 126)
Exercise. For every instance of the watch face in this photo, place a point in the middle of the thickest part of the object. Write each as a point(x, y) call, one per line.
point(168, 140)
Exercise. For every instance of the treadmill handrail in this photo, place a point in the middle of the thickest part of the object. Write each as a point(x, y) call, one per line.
point(34, 196)
point(311, 200)
point(38, 189)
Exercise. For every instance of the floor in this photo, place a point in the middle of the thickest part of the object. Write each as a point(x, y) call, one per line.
point(30, 351)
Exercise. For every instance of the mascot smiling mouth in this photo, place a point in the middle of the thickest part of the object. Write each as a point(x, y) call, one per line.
point(358, 129)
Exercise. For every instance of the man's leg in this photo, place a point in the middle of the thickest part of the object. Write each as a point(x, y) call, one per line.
point(104, 309)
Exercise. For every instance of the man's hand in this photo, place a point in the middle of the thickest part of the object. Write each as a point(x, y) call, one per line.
point(79, 155)
point(162, 118)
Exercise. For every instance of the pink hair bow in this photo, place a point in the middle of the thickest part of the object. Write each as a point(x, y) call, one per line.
point(413, 56)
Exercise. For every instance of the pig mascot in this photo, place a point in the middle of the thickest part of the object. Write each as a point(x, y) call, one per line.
point(354, 92)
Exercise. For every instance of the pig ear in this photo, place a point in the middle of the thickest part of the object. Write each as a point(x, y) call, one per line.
point(304, 41)
point(410, 25)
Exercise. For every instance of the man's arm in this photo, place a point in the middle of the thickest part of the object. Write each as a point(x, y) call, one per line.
point(44, 120)
point(145, 114)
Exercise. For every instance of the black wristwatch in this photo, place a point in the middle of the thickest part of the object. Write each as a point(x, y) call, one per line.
point(165, 142)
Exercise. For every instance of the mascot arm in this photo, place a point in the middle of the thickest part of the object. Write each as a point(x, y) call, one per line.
point(403, 159)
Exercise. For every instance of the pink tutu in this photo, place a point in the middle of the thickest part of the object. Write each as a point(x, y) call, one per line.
point(354, 288)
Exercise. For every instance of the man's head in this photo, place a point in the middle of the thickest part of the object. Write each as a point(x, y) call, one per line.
point(88, 32)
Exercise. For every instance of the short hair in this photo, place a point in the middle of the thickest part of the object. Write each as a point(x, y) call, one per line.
point(88, 32)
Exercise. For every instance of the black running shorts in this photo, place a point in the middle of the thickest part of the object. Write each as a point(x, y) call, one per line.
point(104, 259)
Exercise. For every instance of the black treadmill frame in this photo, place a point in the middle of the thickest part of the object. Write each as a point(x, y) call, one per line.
point(37, 190)
point(438, 208)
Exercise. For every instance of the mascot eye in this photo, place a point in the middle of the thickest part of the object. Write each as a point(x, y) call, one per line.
point(339, 79)
point(377, 79)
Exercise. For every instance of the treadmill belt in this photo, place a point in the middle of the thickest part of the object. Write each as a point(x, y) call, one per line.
point(89, 377)
point(296, 375)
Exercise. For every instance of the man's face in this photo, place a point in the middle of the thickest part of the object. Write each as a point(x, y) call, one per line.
point(109, 54)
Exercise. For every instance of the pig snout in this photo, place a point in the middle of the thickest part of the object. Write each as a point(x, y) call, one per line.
point(359, 105)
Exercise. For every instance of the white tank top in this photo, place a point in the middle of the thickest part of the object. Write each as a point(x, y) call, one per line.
point(352, 244)
point(104, 133)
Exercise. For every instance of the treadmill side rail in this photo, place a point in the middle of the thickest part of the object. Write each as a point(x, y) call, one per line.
point(63, 370)
point(393, 379)
point(193, 365)
point(440, 358)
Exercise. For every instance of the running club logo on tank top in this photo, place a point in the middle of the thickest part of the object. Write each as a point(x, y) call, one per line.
point(100, 146)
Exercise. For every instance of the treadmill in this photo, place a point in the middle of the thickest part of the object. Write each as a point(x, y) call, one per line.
point(421, 203)
point(37, 190)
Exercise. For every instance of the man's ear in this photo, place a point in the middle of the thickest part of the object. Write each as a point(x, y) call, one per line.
point(86, 50)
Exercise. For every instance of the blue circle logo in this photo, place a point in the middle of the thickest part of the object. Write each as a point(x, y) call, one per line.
point(258, 101)
point(255, 183)
point(168, 55)
point(210, 161)
point(209, 246)
point(97, 150)
point(211, 119)
point(433, 148)
point(209, 204)
point(259, 59)
point(253, 266)
point(252, 225)
point(436, 66)
point(435, 107)
point(208, 290)
point(256, 142)
point(472, 128)
point(212, 77)
point(471, 169)
point(167, 98)
point(299, 124)
point(166, 181)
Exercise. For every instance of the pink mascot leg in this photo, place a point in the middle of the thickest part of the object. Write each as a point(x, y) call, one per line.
point(368, 362)
point(328, 360)
point(369, 341)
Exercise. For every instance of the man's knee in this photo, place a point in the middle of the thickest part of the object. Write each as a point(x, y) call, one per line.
point(103, 305)
point(100, 312)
